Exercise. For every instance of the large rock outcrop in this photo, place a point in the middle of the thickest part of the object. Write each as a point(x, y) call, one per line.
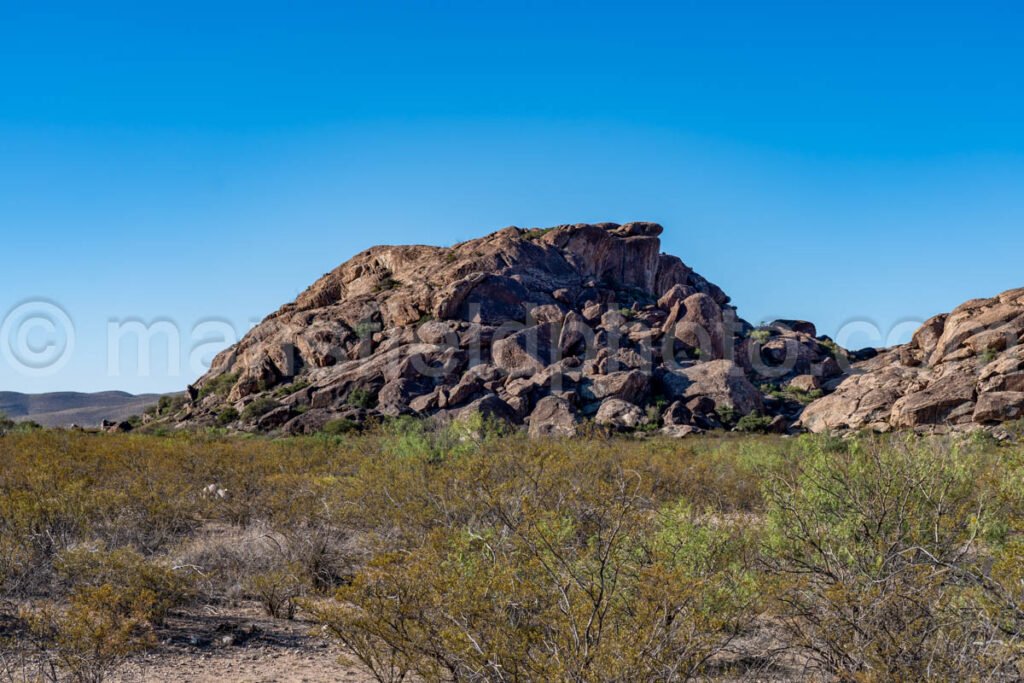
point(540, 327)
point(960, 371)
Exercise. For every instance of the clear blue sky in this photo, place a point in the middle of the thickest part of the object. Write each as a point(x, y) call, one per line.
point(828, 161)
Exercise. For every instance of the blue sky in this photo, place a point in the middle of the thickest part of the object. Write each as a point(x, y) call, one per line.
point(835, 162)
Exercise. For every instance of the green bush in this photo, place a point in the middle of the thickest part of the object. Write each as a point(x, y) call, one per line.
point(536, 233)
point(789, 393)
point(882, 552)
point(366, 329)
point(100, 629)
point(220, 385)
point(834, 350)
point(519, 592)
point(167, 405)
point(760, 335)
point(227, 416)
point(9, 425)
point(289, 389)
point(127, 571)
point(753, 423)
point(386, 284)
point(361, 398)
point(652, 419)
point(341, 426)
point(258, 408)
point(279, 591)
point(727, 414)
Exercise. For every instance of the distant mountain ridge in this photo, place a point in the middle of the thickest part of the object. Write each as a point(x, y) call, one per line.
point(64, 408)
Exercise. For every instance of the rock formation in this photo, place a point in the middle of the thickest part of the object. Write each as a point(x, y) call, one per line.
point(960, 371)
point(538, 327)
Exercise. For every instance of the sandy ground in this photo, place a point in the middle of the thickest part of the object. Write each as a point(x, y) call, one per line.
point(241, 644)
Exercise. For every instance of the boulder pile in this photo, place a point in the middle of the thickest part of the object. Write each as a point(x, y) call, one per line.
point(545, 328)
point(961, 371)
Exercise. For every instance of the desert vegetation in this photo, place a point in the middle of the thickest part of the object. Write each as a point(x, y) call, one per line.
point(469, 553)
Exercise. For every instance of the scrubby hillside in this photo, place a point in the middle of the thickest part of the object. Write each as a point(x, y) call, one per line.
point(538, 327)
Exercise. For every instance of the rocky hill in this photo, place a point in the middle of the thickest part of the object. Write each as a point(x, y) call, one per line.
point(538, 327)
point(961, 370)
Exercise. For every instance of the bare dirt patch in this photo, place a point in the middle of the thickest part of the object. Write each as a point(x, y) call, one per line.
point(240, 644)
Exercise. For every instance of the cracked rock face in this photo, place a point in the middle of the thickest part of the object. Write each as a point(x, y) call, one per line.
point(546, 328)
point(960, 371)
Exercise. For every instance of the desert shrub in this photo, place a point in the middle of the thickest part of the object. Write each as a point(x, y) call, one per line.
point(361, 398)
point(34, 529)
point(833, 348)
point(258, 408)
point(219, 386)
point(340, 427)
point(753, 422)
point(15, 561)
point(220, 559)
point(227, 416)
point(100, 628)
point(884, 548)
point(127, 571)
point(496, 559)
point(652, 421)
point(320, 550)
point(790, 393)
point(471, 431)
point(311, 528)
point(386, 284)
point(366, 328)
point(760, 335)
point(407, 437)
point(727, 414)
point(8, 425)
point(533, 234)
point(279, 590)
point(800, 395)
point(611, 592)
point(289, 389)
point(167, 405)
